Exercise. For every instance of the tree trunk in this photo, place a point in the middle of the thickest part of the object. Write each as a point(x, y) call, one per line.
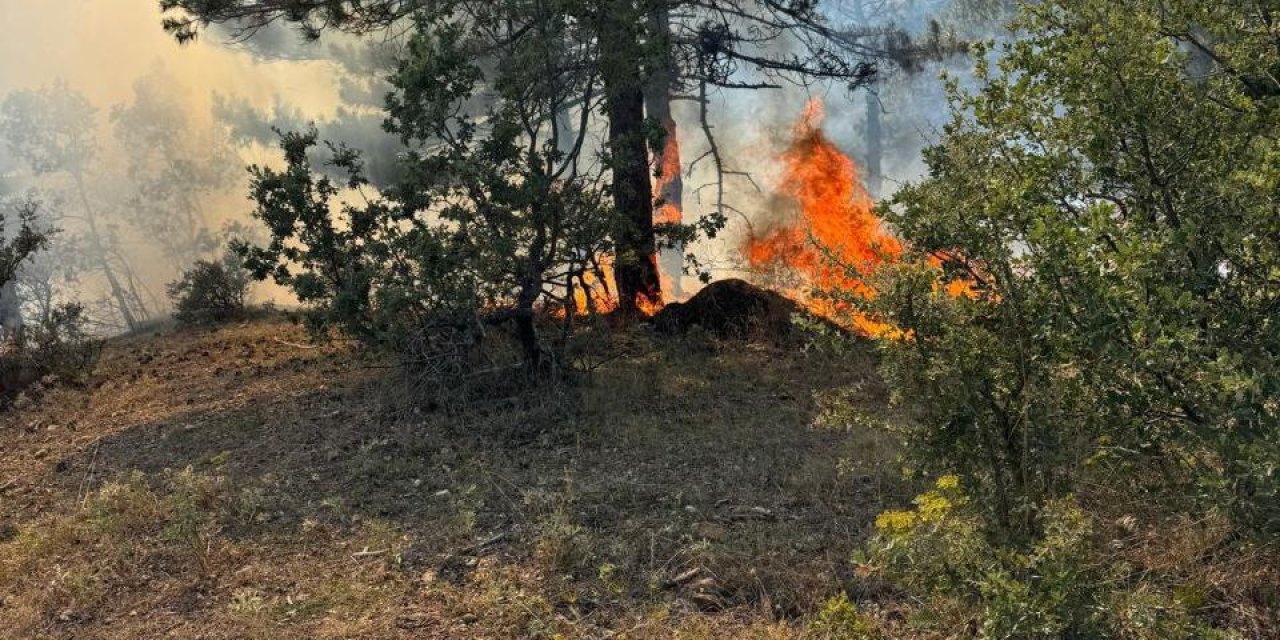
point(875, 146)
point(670, 196)
point(635, 265)
point(100, 255)
point(874, 140)
point(11, 313)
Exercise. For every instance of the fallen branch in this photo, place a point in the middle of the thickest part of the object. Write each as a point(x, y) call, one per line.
point(754, 513)
point(682, 578)
point(296, 345)
point(482, 545)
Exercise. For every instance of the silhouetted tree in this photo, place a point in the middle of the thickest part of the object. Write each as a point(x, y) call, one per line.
point(172, 165)
point(52, 130)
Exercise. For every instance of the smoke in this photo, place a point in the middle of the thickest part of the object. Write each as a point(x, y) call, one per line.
point(101, 47)
point(235, 93)
point(355, 127)
point(172, 129)
point(755, 127)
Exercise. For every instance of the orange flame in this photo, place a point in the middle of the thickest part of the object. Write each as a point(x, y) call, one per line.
point(596, 291)
point(668, 210)
point(835, 237)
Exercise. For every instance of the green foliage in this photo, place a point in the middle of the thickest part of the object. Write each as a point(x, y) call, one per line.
point(1062, 583)
point(1111, 192)
point(491, 224)
point(211, 290)
point(61, 345)
point(19, 248)
point(839, 620)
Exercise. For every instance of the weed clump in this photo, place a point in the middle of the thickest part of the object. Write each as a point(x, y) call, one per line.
point(67, 566)
point(839, 619)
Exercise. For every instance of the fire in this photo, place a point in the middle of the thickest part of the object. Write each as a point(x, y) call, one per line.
point(831, 244)
point(836, 236)
point(668, 183)
point(669, 209)
point(596, 291)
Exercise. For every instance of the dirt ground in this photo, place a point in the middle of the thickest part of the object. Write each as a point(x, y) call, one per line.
point(240, 482)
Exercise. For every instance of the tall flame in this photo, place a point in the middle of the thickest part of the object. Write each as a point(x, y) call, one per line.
point(835, 237)
point(669, 203)
point(669, 209)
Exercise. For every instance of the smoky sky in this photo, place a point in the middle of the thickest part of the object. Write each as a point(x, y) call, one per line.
point(100, 50)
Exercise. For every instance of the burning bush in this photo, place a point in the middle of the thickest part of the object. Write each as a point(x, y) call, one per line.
point(823, 252)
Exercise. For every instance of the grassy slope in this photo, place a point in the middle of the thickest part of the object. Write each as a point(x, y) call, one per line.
point(314, 508)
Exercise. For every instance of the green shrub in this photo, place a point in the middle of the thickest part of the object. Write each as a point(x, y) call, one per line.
point(839, 619)
point(1065, 582)
point(57, 349)
point(61, 345)
point(211, 290)
point(1114, 207)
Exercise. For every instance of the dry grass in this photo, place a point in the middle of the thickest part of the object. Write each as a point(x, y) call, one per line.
point(232, 483)
point(238, 482)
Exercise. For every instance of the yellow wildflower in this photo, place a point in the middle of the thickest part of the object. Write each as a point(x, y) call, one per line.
point(891, 522)
point(932, 506)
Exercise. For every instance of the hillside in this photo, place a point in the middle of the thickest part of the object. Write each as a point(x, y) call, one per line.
point(238, 482)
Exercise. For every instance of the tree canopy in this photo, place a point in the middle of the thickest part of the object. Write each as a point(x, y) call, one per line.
point(1111, 190)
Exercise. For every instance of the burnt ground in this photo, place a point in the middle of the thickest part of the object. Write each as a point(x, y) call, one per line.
point(240, 482)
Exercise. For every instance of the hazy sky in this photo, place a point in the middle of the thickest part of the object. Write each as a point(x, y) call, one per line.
point(101, 46)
